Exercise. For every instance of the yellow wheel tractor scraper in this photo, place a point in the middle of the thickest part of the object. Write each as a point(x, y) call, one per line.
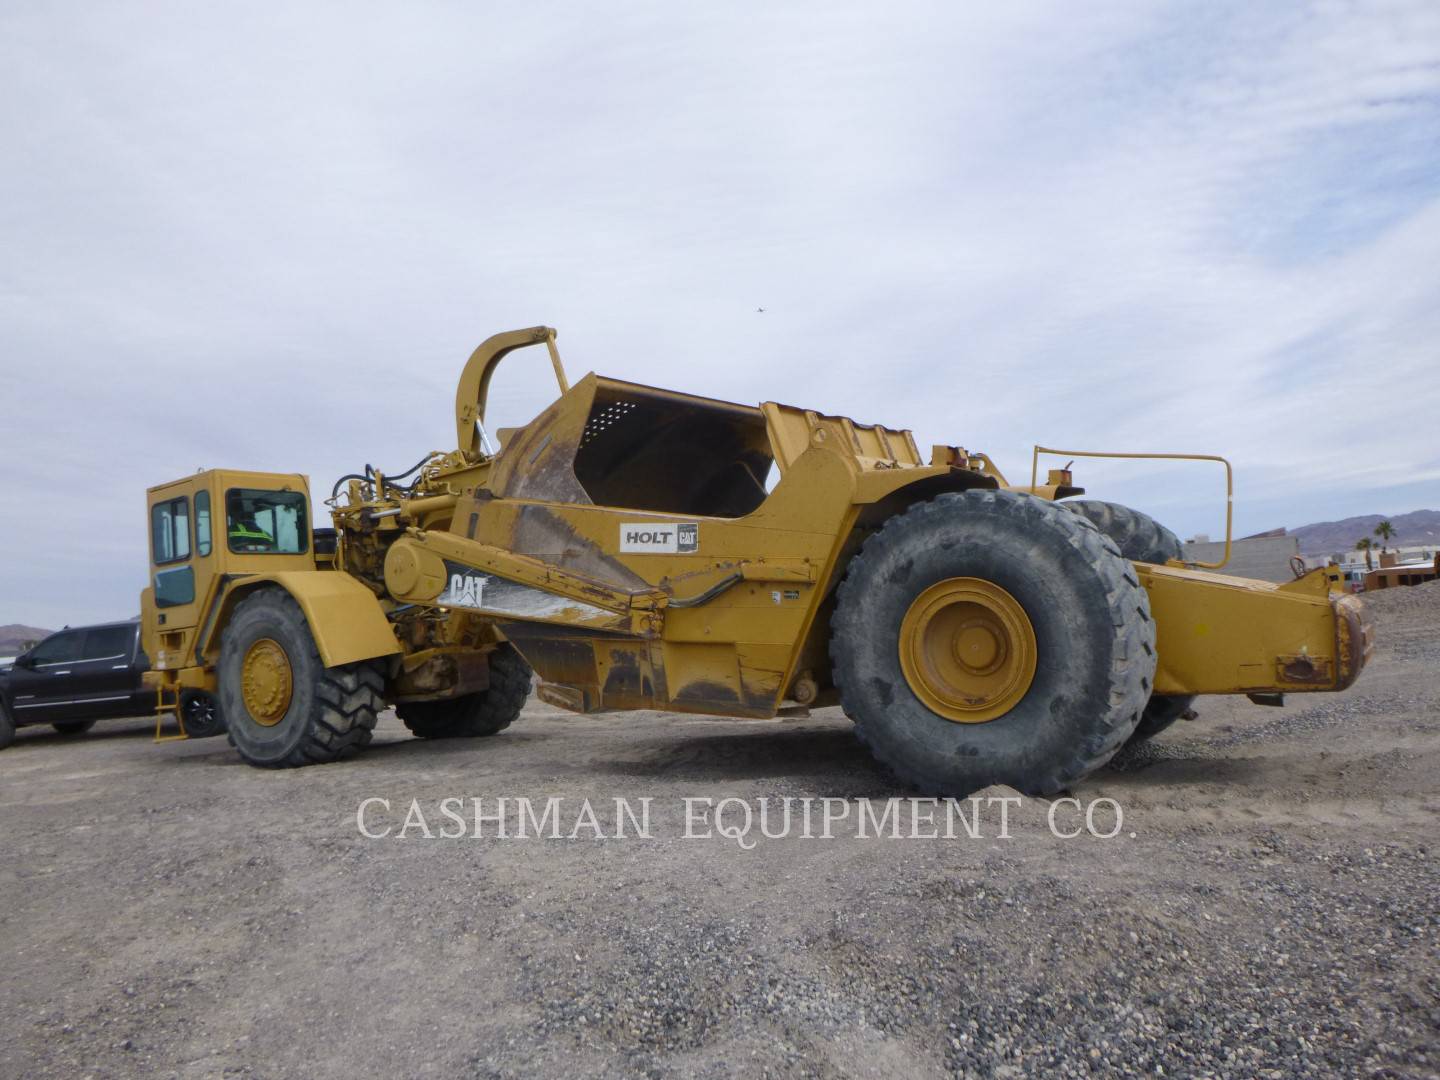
point(629, 546)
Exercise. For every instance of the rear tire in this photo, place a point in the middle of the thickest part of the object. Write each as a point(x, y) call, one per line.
point(1094, 643)
point(488, 712)
point(315, 714)
point(73, 727)
point(1140, 538)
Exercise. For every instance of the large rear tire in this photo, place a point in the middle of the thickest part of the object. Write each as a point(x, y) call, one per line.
point(282, 706)
point(488, 712)
point(989, 637)
point(1140, 538)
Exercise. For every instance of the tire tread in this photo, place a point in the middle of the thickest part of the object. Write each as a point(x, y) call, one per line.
point(486, 712)
point(348, 697)
point(1134, 632)
point(1139, 538)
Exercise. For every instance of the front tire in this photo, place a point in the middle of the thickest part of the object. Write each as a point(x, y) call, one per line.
point(282, 706)
point(1140, 538)
point(488, 712)
point(1036, 709)
point(7, 727)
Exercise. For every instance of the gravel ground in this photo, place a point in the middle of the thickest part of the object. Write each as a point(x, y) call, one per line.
point(1269, 907)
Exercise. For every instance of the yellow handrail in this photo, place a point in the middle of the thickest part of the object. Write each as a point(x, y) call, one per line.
point(1229, 481)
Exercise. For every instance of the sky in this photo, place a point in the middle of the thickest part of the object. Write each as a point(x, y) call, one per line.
point(268, 236)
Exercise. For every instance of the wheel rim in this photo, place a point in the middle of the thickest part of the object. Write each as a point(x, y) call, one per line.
point(967, 650)
point(199, 712)
point(266, 682)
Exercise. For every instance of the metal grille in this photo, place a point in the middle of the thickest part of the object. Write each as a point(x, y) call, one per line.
point(604, 419)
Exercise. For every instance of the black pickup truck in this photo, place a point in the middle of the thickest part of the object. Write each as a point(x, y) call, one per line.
point(82, 674)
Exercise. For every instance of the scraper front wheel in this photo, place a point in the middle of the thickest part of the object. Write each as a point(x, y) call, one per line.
point(282, 706)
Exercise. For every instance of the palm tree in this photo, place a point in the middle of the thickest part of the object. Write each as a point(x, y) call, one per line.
point(1384, 530)
point(1365, 544)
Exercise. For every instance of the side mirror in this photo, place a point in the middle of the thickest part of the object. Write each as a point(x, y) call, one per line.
point(24, 661)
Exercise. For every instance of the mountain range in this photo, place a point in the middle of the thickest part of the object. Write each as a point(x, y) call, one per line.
point(1415, 529)
point(15, 637)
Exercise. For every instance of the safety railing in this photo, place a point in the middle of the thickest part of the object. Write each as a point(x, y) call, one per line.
point(1229, 481)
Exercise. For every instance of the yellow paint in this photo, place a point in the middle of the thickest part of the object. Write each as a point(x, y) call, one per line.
point(266, 682)
point(967, 650)
point(1225, 635)
point(183, 640)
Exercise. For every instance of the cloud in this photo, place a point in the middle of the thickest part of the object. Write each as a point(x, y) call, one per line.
point(268, 237)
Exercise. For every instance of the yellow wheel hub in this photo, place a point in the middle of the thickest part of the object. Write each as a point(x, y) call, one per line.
point(968, 650)
point(266, 682)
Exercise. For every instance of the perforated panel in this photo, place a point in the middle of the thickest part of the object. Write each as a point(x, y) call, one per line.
point(603, 419)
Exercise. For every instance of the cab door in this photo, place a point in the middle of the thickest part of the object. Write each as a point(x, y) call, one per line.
point(104, 674)
point(173, 577)
point(44, 680)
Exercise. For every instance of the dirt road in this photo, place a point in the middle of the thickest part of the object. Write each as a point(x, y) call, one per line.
point(1269, 907)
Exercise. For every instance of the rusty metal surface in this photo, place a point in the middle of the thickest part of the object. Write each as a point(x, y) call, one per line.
point(1354, 639)
point(538, 462)
point(540, 531)
point(1300, 670)
point(442, 675)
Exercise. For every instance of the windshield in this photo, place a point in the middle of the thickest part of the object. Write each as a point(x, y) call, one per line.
point(266, 522)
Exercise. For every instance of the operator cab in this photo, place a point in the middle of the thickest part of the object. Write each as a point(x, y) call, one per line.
point(207, 530)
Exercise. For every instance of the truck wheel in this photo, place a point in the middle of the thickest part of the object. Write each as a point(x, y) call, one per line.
point(7, 727)
point(485, 713)
point(989, 637)
point(1140, 538)
point(73, 727)
point(201, 714)
point(282, 706)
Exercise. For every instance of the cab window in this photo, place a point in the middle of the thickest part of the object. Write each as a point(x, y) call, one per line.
point(58, 648)
point(108, 642)
point(266, 522)
point(170, 530)
point(202, 523)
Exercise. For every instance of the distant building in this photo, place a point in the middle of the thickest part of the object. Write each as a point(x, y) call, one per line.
point(1413, 573)
point(1265, 555)
point(1395, 553)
